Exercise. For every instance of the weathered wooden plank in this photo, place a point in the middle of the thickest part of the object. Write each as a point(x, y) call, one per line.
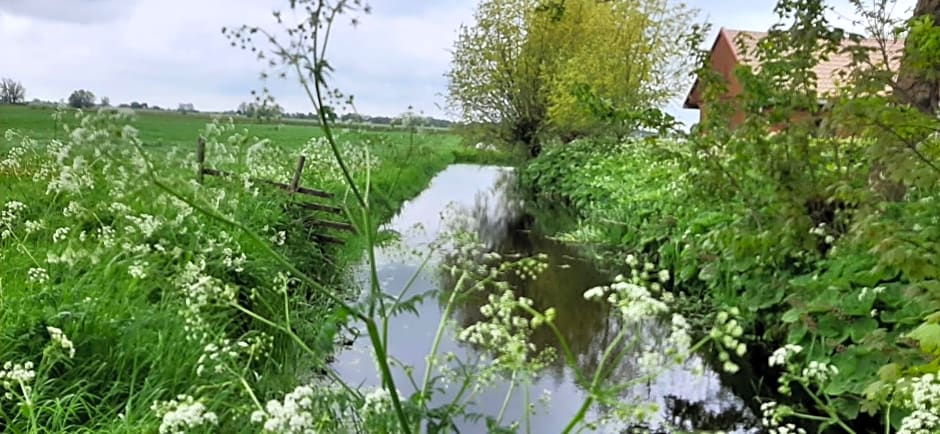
point(295, 183)
point(320, 207)
point(282, 186)
point(328, 239)
point(331, 224)
point(201, 159)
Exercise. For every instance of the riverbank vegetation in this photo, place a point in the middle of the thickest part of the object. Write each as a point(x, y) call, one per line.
point(817, 221)
point(116, 292)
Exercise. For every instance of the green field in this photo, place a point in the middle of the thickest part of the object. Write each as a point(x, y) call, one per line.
point(173, 128)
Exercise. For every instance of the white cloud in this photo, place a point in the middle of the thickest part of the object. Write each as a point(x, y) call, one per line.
point(169, 51)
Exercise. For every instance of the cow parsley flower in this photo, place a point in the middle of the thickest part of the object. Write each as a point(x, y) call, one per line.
point(32, 226)
point(924, 401)
point(37, 275)
point(61, 340)
point(137, 270)
point(819, 372)
point(182, 414)
point(663, 275)
point(60, 234)
point(16, 379)
point(292, 415)
point(595, 293)
point(782, 356)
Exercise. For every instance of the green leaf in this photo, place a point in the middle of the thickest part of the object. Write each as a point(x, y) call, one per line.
point(861, 327)
point(889, 373)
point(791, 316)
point(929, 337)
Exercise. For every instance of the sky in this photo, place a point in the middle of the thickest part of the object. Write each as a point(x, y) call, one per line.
point(167, 52)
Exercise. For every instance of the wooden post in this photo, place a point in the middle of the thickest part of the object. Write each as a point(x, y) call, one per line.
point(201, 159)
point(295, 183)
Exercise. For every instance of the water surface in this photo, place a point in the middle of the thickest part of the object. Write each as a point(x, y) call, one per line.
point(478, 196)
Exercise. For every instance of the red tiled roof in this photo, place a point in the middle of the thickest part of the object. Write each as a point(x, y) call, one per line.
point(827, 71)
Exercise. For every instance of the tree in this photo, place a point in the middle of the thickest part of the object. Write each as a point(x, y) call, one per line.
point(82, 99)
point(524, 67)
point(105, 101)
point(186, 108)
point(263, 111)
point(11, 91)
point(919, 74)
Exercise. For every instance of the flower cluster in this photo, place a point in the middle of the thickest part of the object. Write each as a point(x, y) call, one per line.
point(60, 234)
point(633, 302)
point(225, 352)
point(13, 161)
point(375, 411)
point(818, 372)
point(505, 332)
point(292, 415)
point(201, 291)
point(782, 355)
point(530, 268)
point(15, 376)
point(727, 332)
point(37, 275)
point(179, 415)
point(772, 417)
point(8, 215)
point(61, 340)
point(924, 403)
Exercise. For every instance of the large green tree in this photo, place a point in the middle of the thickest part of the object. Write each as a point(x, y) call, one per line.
point(525, 66)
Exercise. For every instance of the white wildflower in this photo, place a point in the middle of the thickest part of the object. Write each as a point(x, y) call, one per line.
point(182, 414)
point(60, 234)
point(137, 270)
point(22, 373)
point(594, 293)
point(782, 356)
point(663, 276)
point(819, 372)
point(37, 275)
point(632, 261)
point(32, 226)
point(279, 238)
point(924, 402)
point(292, 415)
point(61, 340)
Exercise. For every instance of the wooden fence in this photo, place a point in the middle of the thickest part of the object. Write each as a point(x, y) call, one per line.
point(294, 188)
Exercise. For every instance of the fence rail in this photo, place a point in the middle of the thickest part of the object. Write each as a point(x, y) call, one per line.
point(293, 188)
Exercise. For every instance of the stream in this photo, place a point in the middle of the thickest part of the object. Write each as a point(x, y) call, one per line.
point(478, 196)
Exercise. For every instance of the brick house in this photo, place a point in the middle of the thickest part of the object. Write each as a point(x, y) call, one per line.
point(725, 57)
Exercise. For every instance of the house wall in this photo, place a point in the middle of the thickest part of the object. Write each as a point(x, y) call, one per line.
point(724, 61)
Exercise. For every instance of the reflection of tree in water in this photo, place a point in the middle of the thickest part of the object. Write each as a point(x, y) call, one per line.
point(499, 223)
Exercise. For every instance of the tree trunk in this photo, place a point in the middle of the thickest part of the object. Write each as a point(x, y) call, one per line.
point(915, 86)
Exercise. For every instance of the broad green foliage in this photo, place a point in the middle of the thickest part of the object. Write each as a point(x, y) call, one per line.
point(818, 222)
point(523, 68)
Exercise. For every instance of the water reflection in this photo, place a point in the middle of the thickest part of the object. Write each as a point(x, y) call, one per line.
point(478, 199)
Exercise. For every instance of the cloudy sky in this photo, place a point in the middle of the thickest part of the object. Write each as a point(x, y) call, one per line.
point(167, 52)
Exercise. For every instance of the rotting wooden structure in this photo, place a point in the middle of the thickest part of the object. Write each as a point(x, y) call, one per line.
point(294, 188)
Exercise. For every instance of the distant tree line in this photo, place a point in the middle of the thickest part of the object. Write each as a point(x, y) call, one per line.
point(13, 92)
point(424, 121)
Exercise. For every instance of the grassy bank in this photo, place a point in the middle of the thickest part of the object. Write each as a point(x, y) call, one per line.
point(851, 288)
point(126, 284)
